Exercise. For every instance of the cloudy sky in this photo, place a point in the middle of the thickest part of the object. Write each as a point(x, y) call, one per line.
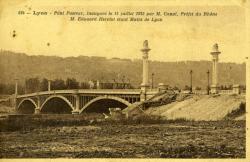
point(173, 39)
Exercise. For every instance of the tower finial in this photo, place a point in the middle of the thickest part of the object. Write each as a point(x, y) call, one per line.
point(145, 44)
point(145, 47)
point(215, 47)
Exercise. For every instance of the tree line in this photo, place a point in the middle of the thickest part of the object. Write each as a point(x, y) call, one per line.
point(36, 84)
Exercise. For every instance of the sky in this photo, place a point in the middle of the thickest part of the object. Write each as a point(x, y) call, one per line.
point(174, 39)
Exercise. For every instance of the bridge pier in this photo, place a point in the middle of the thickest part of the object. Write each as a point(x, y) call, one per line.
point(75, 112)
point(37, 111)
point(38, 108)
point(77, 105)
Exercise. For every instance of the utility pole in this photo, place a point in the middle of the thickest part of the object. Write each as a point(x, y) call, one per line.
point(191, 84)
point(208, 88)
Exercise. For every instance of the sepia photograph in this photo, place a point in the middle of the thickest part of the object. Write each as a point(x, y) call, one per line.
point(124, 79)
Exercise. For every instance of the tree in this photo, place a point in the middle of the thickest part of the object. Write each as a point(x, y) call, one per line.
point(84, 85)
point(186, 87)
point(176, 88)
point(197, 88)
point(32, 85)
point(44, 85)
point(7, 88)
point(71, 83)
point(58, 84)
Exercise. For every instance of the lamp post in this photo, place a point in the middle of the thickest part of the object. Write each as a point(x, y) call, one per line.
point(230, 76)
point(129, 86)
point(50, 82)
point(25, 87)
point(16, 87)
point(191, 84)
point(123, 82)
point(49, 85)
point(152, 86)
point(208, 88)
point(16, 93)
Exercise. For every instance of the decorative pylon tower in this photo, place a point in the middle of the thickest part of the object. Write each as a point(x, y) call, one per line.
point(215, 58)
point(145, 62)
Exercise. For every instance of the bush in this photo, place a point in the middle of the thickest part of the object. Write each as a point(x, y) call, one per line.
point(237, 112)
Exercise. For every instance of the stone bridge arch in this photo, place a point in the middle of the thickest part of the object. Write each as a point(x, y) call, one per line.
point(114, 98)
point(27, 109)
point(62, 98)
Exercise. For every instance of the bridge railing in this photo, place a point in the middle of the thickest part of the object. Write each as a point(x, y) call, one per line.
point(226, 92)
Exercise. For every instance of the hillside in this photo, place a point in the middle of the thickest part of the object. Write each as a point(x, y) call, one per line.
point(83, 68)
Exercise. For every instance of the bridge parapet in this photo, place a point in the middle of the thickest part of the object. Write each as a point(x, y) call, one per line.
point(84, 91)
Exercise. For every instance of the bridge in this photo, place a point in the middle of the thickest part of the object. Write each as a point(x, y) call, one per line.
point(79, 101)
point(85, 100)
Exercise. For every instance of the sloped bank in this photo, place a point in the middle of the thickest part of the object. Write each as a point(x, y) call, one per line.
point(203, 107)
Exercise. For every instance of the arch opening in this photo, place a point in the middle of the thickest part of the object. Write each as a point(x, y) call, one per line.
point(26, 107)
point(56, 105)
point(103, 105)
